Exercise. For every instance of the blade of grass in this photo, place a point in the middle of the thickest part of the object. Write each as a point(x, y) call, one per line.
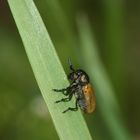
point(113, 42)
point(68, 38)
point(106, 100)
point(60, 18)
point(47, 69)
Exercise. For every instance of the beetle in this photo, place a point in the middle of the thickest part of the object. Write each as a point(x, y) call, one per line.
point(81, 88)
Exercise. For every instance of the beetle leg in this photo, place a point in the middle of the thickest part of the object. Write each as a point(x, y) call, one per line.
point(72, 109)
point(65, 99)
point(60, 90)
point(64, 90)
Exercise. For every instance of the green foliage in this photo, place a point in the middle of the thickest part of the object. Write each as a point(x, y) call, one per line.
point(106, 100)
point(23, 111)
point(47, 69)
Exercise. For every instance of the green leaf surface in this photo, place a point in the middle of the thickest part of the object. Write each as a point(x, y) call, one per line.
point(47, 69)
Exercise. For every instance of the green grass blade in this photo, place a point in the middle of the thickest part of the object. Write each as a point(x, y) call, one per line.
point(106, 101)
point(113, 42)
point(47, 69)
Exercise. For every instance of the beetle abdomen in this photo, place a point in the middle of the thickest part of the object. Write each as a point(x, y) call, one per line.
point(90, 99)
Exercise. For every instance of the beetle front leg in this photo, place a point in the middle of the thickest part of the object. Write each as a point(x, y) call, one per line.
point(64, 90)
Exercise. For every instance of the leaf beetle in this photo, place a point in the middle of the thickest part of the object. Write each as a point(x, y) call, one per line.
point(81, 88)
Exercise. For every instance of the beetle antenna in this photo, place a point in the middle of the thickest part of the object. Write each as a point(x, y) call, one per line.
point(70, 64)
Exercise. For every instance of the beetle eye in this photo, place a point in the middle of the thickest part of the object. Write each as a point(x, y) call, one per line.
point(78, 73)
point(72, 76)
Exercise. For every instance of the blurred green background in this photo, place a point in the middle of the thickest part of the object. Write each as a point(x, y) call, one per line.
point(115, 25)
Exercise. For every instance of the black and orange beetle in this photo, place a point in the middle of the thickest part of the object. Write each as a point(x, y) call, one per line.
point(81, 88)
